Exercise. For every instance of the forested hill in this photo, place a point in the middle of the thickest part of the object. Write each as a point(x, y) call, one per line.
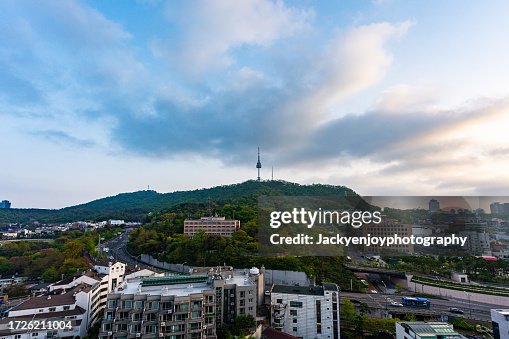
point(135, 206)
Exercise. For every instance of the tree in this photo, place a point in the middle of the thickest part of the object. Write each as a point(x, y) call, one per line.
point(50, 275)
point(74, 249)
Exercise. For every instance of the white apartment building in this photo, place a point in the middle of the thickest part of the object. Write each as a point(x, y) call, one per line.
point(306, 311)
point(103, 278)
point(65, 309)
point(500, 323)
point(74, 303)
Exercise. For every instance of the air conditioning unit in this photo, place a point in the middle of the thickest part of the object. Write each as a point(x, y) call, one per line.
point(110, 333)
point(163, 323)
point(138, 335)
point(170, 311)
point(161, 335)
point(204, 327)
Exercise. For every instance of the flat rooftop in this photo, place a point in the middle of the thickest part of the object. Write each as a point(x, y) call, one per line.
point(304, 290)
point(136, 286)
point(432, 329)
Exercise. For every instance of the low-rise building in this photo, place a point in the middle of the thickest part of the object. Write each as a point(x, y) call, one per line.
point(306, 311)
point(500, 323)
point(426, 330)
point(61, 314)
point(212, 226)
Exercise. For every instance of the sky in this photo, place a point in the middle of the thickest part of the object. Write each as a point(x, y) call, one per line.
point(386, 97)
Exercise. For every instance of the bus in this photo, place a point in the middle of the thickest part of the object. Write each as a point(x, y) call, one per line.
point(416, 302)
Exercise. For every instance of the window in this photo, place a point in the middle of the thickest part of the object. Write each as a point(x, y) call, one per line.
point(294, 329)
point(242, 294)
point(35, 334)
point(52, 309)
point(138, 305)
point(293, 313)
point(279, 301)
point(296, 304)
point(112, 303)
point(250, 300)
point(67, 308)
point(294, 320)
point(128, 303)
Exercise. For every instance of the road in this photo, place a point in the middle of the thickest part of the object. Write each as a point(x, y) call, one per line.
point(117, 249)
point(474, 310)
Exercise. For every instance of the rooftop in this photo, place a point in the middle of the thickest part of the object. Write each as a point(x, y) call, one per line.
point(432, 329)
point(502, 311)
point(305, 290)
point(53, 299)
point(135, 286)
point(174, 280)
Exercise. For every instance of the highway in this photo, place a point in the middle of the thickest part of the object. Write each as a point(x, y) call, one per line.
point(117, 249)
point(474, 310)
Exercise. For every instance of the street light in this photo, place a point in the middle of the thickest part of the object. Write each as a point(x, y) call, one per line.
point(469, 306)
point(385, 292)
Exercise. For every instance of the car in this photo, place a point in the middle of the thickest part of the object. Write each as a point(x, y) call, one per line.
point(355, 301)
point(396, 304)
point(455, 310)
point(373, 291)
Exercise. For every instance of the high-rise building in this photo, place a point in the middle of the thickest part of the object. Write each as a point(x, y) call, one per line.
point(212, 226)
point(434, 206)
point(306, 311)
point(5, 204)
point(498, 208)
point(387, 228)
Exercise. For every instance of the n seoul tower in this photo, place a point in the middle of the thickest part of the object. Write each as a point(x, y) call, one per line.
point(259, 164)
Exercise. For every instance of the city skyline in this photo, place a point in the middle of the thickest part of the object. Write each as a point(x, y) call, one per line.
point(386, 97)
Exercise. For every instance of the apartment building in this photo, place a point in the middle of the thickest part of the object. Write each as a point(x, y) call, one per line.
point(61, 314)
point(306, 311)
point(102, 279)
point(74, 303)
point(191, 306)
point(211, 225)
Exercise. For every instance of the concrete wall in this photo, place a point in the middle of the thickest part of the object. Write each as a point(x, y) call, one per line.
point(147, 259)
point(448, 293)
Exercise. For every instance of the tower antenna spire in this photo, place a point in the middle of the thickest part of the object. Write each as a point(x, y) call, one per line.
point(258, 164)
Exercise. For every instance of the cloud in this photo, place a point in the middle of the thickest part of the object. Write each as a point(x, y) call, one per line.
point(211, 31)
point(281, 110)
point(64, 138)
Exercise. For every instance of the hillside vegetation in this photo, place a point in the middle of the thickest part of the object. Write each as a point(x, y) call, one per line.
point(136, 205)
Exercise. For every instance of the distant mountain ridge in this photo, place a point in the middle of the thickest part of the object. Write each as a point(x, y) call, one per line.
point(135, 205)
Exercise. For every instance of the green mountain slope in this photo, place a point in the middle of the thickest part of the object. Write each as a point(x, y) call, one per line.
point(135, 206)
